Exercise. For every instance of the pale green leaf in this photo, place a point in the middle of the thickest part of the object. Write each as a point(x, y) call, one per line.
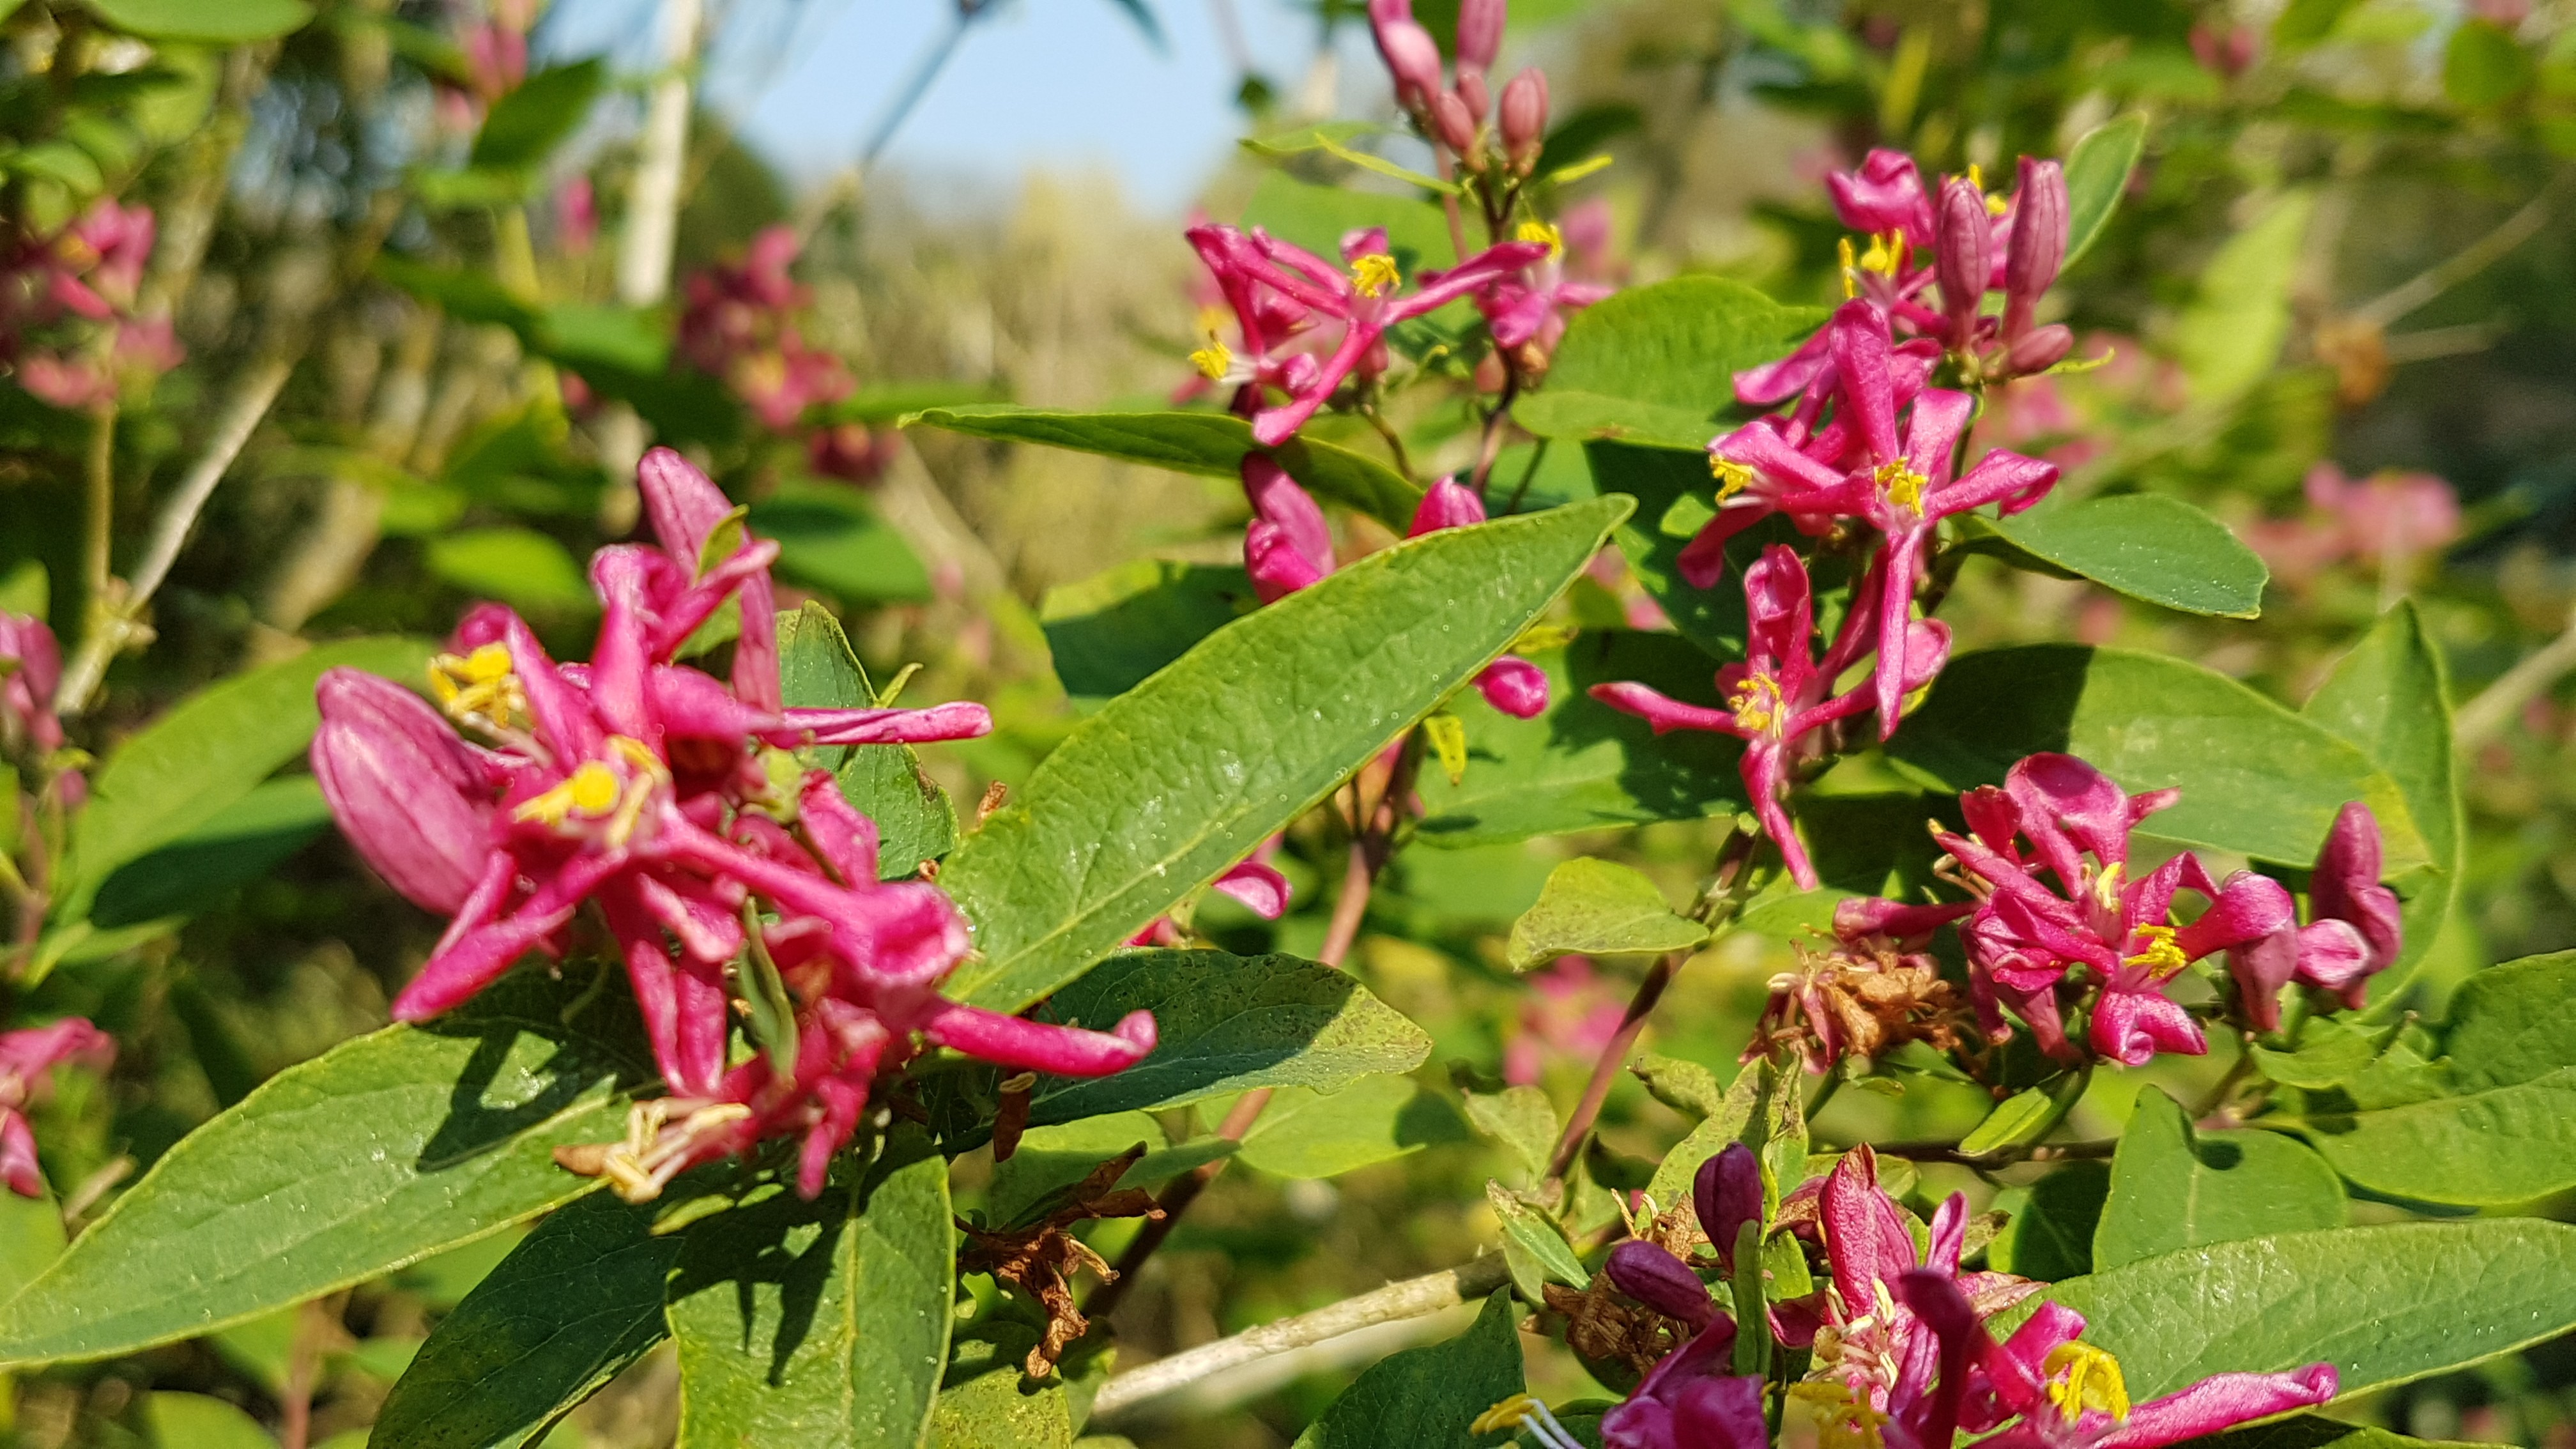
point(200, 1421)
point(1306, 1133)
point(2231, 334)
point(1655, 365)
point(2097, 173)
point(2145, 545)
point(215, 21)
point(1599, 908)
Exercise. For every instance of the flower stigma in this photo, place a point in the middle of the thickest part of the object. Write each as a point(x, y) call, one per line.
point(1904, 486)
point(2092, 1381)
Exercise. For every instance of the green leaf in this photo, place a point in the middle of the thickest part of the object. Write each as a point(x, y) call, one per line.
point(157, 892)
point(1599, 908)
point(1111, 631)
point(2231, 334)
point(1581, 765)
point(2173, 1188)
point(31, 1236)
point(2150, 547)
point(2049, 1234)
point(216, 21)
point(578, 1300)
point(1211, 444)
point(469, 296)
point(2097, 173)
point(816, 670)
point(1224, 1024)
point(1684, 1086)
point(2313, 1431)
point(2329, 1052)
point(2484, 65)
point(830, 539)
point(985, 1402)
point(381, 1151)
point(2391, 696)
point(209, 751)
point(1425, 1398)
point(1655, 365)
point(2025, 1117)
point(1239, 737)
point(2306, 22)
point(1765, 1111)
point(2383, 1304)
point(1332, 139)
point(2490, 1121)
point(1652, 538)
point(1537, 1248)
point(1318, 217)
point(201, 1421)
point(521, 567)
point(821, 1324)
point(1306, 1133)
point(2255, 778)
point(1522, 1121)
point(525, 126)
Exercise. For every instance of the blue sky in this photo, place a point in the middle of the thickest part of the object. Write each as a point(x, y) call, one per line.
point(1053, 83)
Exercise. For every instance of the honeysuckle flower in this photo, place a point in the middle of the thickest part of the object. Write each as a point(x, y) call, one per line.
point(2046, 1389)
point(737, 323)
point(2355, 928)
point(1874, 990)
point(27, 1060)
point(31, 666)
point(1252, 881)
point(2025, 939)
point(1529, 310)
point(90, 272)
point(1690, 1401)
point(1781, 697)
point(1281, 292)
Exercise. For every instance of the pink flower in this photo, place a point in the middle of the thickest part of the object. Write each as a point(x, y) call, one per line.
point(738, 324)
point(1571, 1013)
point(1308, 325)
point(2025, 940)
point(1530, 309)
point(2355, 930)
point(27, 1059)
point(1253, 881)
point(1781, 697)
point(647, 790)
point(31, 666)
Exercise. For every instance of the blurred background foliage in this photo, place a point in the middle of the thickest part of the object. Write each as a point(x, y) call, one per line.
point(2338, 308)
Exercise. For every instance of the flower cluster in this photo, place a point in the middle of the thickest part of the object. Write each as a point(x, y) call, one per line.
point(666, 799)
point(27, 1058)
point(1287, 546)
point(1900, 1351)
point(69, 328)
point(31, 734)
point(1307, 326)
point(2392, 519)
point(1454, 115)
point(1875, 989)
point(738, 323)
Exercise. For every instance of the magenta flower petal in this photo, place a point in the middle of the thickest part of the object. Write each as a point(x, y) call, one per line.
point(1260, 887)
point(1065, 1051)
point(2218, 1402)
point(1447, 504)
point(405, 790)
point(18, 1155)
point(1515, 686)
point(1726, 1193)
point(954, 721)
point(2346, 885)
point(2132, 1026)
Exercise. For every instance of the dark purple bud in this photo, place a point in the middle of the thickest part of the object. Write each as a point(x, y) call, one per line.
point(1966, 259)
point(1660, 1281)
point(1480, 32)
point(2038, 242)
point(2039, 349)
point(1728, 1194)
point(1472, 92)
point(1525, 117)
point(1451, 123)
point(1412, 57)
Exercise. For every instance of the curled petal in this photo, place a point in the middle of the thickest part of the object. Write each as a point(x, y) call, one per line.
point(1447, 504)
point(2260, 969)
point(2332, 954)
point(18, 1155)
point(1871, 916)
point(1065, 1051)
point(1664, 712)
point(2130, 1027)
point(2219, 1402)
point(1258, 886)
point(2346, 885)
point(953, 721)
point(410, 795)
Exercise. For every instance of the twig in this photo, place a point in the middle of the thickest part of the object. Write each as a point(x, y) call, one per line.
point(917, 85)
point(108, 634)
point(1949, 1152)
point(1605, 1069)
point(1412, 1298)
point(1491, 446)
point(2484, 717)
point(98, 578)
point(2463, 264)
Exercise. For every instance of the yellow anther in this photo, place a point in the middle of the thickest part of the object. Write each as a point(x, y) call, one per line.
point(1373, 273)
point(1886, 254)
point(1756, 702)
point(595, 793)
point(2092, 1381)
point(1732, 477)
point(1996, 205)
point(1977, 176)
point(589, 792)
point(1844, 1416)
point(1851, 269)
point(1904, 486)
point(2108, 885)
point(2163, 955)
point(479, 686)
point(1540, 231)
point(1504, 1415)
point(1214, 360)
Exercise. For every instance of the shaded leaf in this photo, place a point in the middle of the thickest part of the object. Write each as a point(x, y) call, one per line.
point(1425, 1398)
point(816, 670)
point(1306, 1133)
point(526, 125)
point(2174, 1188)
point(1051, 1159)
point(2314, 1431)
point(2097, 173)
point(1108, 633)
point(829, 538)
point(1670, 489)
point(1655, 365)
point(2050, 1232)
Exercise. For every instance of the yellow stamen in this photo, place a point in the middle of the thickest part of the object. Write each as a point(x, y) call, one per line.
point(1756, 702)
point(479, 687)
point(1886, 254)
point(1904, 486)
point(1374, 273)
point(1214, 360)
point(1732, 477)
point(1995, 205)
point(2163, 956)
point(590, 792)
point(595, 792)
point(2108, 885)
point(2093, 1381)
point(1844, 1418)
point(1977, 176)
point(1540, 231)
point(1504, 1415)
point(1851, 269)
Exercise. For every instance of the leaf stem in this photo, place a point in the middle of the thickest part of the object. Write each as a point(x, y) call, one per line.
point(1605, 1068)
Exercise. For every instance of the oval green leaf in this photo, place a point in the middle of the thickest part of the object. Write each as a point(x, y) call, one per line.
point(1424, 1398)
point(214, 21)
point(817, 670)
point(2174, 1188)
point(2150, 547)
point(1599, 908)
point(1655, 365)
point(377, 1153)
point(1177, 780)
point(2097, 172)
point(1110, 632)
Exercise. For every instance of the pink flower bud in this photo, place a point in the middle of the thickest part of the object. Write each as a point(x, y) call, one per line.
point(2039, 349)
point(1515, 686)
point(1480, 32)
point(1412, 57)
point(1525, 117)
point(1966, 256)
point(1452, 123)
point(2038, 246)
point(34, 665)
point(407, 792)
point(1447, 504)
point(1472, 93)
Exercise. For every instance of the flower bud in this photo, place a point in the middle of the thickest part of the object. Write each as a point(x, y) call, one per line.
point(1726, 1193)
point(1413, 58)
point(31, 665)
point(2039, 349)
point(1525, 117)
point(1480, 32)
point(1451, 122)
point(1471, 91)
point(1966, 256)
point(407, 792)
point(2038, 245)
point(1446, 504)
point(1514, 686)
point(1657, 1279)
